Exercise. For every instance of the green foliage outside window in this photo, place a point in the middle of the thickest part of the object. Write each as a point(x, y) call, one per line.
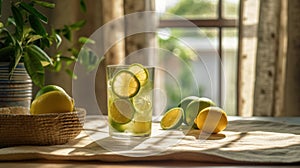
point(191, 9)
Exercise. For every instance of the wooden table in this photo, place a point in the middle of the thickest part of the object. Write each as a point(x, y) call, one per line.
point(100, 164)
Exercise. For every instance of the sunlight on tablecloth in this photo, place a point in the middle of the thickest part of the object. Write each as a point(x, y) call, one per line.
point(243, 141)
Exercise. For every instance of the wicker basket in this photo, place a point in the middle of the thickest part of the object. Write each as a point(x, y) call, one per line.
point(43, 129)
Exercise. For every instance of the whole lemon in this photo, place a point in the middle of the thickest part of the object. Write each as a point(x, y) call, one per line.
point(54, 100)
point(211, 120)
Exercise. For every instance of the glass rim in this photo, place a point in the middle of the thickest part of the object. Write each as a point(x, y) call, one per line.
point(127, 65)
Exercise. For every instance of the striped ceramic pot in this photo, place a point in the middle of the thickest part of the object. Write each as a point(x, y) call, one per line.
point(16, 91)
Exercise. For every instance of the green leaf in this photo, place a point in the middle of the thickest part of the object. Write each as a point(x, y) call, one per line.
point(71, 74)
point(45, 4)
point(67, 33)
point(64, 58)
point(30, 9)
point(77, 25)
point(6, 52)
point(37, 52)
point(68, 60)
point(16, 58)
point(57, 66)
point(92, 58)
point(10, 37)
point(83, 56)
point(35, 69)
point(46, 42)
point(34, 38)
point(18, 20)
point(11, 21)
point(37, 25)
point(82, 6)
point(84, 40)
point(58, 40)
point(74, 51)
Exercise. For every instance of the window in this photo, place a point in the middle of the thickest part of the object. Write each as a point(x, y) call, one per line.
point(215, 20)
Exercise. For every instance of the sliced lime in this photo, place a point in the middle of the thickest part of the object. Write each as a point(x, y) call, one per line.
point(125, 84)
point(185, 101)
point(194, 108)
point(117, 126)
point(172, 119)
point(121, 111)
point(140, 72)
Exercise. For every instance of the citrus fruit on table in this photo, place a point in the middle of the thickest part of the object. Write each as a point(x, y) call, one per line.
point(121, 111)
point(194, 107)
point(185, 101)
point(172, 119)
point(125, 84)
point(51, 99)
point(140, 72)
point(211, 120)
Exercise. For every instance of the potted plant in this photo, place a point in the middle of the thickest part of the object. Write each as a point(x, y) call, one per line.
point(24, 37)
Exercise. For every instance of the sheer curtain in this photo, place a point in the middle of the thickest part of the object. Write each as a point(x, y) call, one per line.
point(269, 74)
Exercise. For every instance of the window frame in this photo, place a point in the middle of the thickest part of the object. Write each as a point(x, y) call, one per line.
point(220, 22)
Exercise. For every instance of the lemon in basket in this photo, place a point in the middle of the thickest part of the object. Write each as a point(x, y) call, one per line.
point(51, 99)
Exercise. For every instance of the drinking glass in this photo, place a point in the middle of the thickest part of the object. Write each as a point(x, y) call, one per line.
point(130, 100)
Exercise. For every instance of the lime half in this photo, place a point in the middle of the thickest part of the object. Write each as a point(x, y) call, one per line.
point(194, 108)
point(140, 72)
point(172, 119)
point(125, 84)
point(121, 111)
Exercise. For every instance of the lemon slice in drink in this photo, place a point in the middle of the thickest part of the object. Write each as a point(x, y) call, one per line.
point(142, 102)
point(121, 111)
point(140, 72)
point(125, 84)
point(141, 127)
point(118, 127)
point(172, 119)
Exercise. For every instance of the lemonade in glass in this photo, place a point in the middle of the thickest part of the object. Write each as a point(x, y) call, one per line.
point(130, 99)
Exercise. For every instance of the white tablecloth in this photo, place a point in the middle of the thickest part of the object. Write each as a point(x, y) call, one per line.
point(250, 140)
